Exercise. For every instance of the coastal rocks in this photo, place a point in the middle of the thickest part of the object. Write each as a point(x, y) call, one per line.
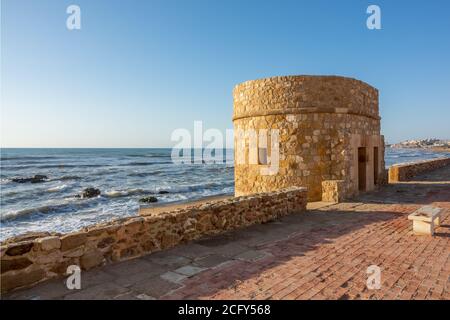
point(149, 199)
point(90, 193)
point(64, 178)
point(39, 178)
point(36, 179)
point(152, 199)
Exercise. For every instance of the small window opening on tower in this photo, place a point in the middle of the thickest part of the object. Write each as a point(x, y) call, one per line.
point(262, 155)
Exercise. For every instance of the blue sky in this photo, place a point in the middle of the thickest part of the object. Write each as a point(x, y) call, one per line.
point(137, 70)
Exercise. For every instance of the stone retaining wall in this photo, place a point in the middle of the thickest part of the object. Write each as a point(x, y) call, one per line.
point(31, 259)
point(403, 172)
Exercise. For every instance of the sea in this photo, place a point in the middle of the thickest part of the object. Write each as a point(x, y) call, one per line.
point(123, 176)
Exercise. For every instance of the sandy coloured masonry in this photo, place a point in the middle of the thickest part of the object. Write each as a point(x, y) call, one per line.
point(328, 128)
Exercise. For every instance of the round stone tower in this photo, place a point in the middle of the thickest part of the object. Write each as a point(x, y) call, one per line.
point(321, 132)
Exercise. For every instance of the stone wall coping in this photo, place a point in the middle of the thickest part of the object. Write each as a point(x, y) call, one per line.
point(225, 202)
point(415, 163)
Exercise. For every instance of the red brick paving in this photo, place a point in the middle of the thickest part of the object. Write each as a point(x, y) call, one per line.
point(331, 262)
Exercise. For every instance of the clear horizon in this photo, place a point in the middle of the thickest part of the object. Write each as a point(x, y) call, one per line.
point(136, 71)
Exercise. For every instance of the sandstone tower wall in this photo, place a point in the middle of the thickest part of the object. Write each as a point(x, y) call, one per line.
point(329, 129)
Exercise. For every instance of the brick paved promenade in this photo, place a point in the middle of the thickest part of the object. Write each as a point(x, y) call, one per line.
point(321, 254)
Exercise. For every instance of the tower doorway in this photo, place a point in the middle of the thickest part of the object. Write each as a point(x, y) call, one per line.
point(362, 159)
point(375, 165)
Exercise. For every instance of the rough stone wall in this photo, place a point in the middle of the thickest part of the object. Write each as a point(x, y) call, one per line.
point(404, 172)
point(322, 120)
point(28, 260)
point(332, 190)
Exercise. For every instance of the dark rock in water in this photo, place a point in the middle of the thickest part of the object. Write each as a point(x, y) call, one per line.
point(20, 180)
point(90, 193)
point(148, 199)
point(69, 178)
point(36, 179)
point(163, 192)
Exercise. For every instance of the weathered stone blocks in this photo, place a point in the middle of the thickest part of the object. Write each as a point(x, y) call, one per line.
point(49, 243)
point(12, 279)
point(333, 190)
point(14, 264)
point(91, 259)
point(19, 248)
point(72, 240)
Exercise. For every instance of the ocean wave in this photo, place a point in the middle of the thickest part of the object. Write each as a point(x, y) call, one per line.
point(104, 172)
point(45, 209)
point(145, 174)
point(170, 189)
point(8, 194)
point(28, 158)
point(156, 155)
point(124, 193)
point(5, 180)
point(196, 187)
point(130, 164)
point(57, 188)
point(64, 178)
point(50, 166)
point(16, 195)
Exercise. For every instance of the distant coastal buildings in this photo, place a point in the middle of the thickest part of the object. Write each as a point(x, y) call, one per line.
point(430, 143)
